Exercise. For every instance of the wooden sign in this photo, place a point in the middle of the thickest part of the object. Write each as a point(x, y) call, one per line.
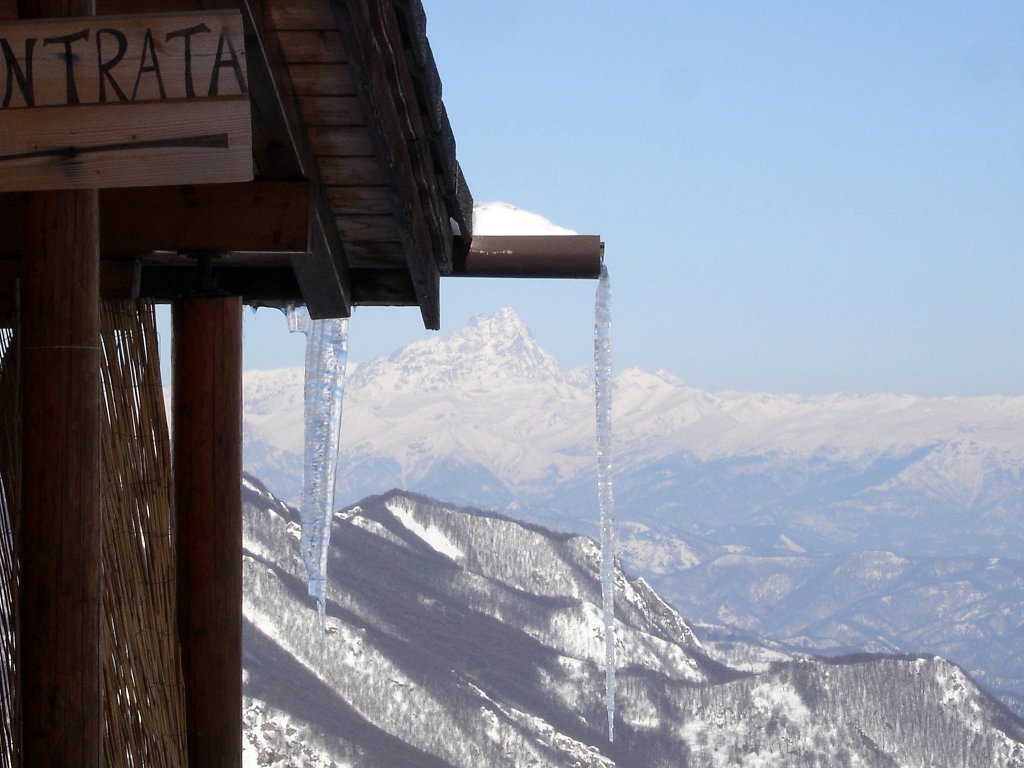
point(124, 101)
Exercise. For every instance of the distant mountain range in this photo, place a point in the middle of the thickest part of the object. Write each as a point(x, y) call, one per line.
point(461, 638)
point(832, 524)
point(487, 417)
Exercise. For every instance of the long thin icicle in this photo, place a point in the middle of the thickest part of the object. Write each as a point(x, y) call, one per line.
point(326, 359)
point(606, 502)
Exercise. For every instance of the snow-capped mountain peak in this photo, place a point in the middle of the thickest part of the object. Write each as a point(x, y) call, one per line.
point(492, 349)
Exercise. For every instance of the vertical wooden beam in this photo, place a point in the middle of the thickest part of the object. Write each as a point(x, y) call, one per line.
point(59, 540)
point(59, 543)
point(207, 390)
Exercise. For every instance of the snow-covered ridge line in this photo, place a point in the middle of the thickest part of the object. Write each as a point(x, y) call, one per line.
point(489, 395)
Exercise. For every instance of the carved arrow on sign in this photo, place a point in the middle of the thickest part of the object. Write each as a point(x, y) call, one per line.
point(209, 141)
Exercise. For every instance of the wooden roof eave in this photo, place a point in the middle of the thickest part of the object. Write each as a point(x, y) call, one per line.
point(281, 149)
point(427, 81)
point(405, 150)
point(390, 253)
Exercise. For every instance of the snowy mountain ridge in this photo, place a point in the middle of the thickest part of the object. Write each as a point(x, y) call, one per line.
point(490, 405)
point(462, 638)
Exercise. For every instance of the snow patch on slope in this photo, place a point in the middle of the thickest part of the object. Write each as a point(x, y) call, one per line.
point(431, 535)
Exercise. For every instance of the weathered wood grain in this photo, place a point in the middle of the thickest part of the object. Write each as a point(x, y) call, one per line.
point(255, 216)
point(259, 216)
point(313, 14)
point(365, 254)
point(361, 199)
point(337, 141)
point(322, 79)
point(351, 171)
point(314, 46)
point(331, 110)
point(113, 59)
point(126, 145)
point(360, 228)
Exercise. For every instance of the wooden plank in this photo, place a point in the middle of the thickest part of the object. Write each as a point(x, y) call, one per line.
point(331, 110)
point(110, 59)
point(359, 199)
point(59, 641)
point(121, 145)
point(311, 14)
point(254, 216)
point(361, 228)
point(351, 171)
point(314, 46)
point(207, 385)
point(341, 142)
point(367, 254)
point(322, 79)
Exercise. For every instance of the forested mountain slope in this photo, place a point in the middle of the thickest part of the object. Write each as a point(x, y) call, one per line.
point(459, 638)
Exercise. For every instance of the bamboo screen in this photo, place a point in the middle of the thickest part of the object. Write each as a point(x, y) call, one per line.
point(143, 693)
point(9, 472)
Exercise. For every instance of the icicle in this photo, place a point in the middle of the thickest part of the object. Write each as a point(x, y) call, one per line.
point(326, 357)
point(603, 400)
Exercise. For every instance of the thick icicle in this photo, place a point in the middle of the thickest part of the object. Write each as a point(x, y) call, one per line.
point(606, 502)
point(326, 358)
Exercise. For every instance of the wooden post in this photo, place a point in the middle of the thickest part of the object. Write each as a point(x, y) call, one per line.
point(207, 390)
point(59, 542)
point(59, 538)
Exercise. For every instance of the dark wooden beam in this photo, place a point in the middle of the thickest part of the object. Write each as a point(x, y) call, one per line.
point(251, 216)
point(282, 149)
point(207, 385)
point(254, 216)
point(59, 547)
point(257, 286)
point(259, 281)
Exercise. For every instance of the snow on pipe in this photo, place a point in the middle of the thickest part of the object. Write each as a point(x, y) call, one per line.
point(326, 359)
point(557, 256)
point(606, 501)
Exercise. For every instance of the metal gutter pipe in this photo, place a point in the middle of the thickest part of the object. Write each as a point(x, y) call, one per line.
point(551, 256)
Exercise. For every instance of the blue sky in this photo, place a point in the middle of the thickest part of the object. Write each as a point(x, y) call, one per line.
point(795, 196)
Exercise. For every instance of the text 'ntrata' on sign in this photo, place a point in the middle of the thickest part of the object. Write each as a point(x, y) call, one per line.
point(124, 101)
